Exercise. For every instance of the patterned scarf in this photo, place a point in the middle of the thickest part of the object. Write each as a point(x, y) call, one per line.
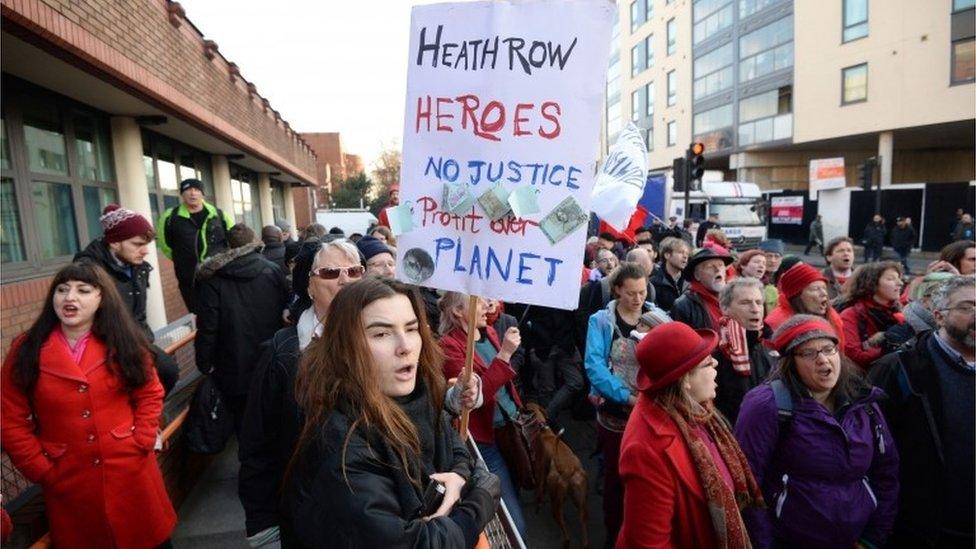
point(724, 506)
point(710, 300)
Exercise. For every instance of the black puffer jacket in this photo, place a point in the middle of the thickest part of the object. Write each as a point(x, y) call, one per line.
point(666, 289)
point(132, 282)
point(347, 490)
point(241, 296)
point(269, 431)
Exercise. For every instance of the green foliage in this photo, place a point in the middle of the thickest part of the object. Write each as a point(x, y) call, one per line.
point(353, 192)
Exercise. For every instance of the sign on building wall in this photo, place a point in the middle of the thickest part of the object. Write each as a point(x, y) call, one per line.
point(786, 210)
point(826, 173)
point(500, 138)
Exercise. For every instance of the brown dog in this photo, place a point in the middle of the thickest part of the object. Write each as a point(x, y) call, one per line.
point(558, 473)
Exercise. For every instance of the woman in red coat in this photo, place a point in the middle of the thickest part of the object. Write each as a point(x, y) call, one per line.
point(872, 297)
point(81, 404)
point(685, 478)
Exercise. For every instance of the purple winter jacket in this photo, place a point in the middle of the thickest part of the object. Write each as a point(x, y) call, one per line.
point(827, 483)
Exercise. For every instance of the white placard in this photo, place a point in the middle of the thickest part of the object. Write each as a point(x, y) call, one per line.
point(826, 173)
point(502, 92)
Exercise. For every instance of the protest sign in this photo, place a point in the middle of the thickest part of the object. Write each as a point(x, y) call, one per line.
point(620, 183)
point(826, 173)
point(786, 210)
point(502, 121)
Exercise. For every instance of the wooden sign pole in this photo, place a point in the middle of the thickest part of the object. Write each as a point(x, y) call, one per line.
point(469, 358)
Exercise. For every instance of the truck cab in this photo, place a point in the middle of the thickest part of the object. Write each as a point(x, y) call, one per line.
point(738, 205)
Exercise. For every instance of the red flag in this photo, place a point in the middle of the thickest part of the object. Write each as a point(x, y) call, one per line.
point(636, 222)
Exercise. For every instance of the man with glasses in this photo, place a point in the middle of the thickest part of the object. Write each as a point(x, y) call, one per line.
point(931, 409)
point(241, 297)
point(378, 256)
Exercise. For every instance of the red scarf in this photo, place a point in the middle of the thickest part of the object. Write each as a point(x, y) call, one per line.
point(710, 300)
point(724, 505)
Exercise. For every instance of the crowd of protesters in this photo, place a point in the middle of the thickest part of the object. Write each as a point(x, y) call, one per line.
point(742, 398)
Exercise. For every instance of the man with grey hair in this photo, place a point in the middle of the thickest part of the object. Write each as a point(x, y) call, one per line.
point(743, 360)
point(931, 411)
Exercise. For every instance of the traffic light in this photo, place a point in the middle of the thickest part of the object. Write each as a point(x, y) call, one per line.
point(695, 164)
point(866, 175)
point(679, 175)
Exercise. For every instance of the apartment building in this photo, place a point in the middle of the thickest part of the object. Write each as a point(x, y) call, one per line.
point(768, 85)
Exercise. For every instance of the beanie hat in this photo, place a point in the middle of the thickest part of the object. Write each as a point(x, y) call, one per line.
point(370, 247)
point(746, 256)
point(773, 246)
point(283, 225)
point(799, 329)
point(188, 184)
point(798, 277)
point(928, 284)
point(120, 224)
point(669, 351)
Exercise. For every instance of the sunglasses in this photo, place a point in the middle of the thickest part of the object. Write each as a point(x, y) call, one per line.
point(332, 273)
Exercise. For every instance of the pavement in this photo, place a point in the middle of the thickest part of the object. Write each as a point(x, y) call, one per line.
point(211, 517)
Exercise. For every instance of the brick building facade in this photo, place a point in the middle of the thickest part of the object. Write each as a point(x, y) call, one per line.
point(116, 101)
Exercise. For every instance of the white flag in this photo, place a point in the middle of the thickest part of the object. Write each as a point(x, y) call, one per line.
point(620, 183)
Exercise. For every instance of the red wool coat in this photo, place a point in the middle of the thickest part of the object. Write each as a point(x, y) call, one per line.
point(493, 377)
point(89, 444)
point(664, 501)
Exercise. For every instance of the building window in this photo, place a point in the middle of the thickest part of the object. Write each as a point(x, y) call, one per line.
point(649, 97)
point(855, 19)
point(672, 133)
point(749, 7)
point(244, 196)
point(649, 51)
point(635, 21)
point(649, 10)
point(56, 175)
point(672, 88)
point(635, 60)
point(854, 83)
point(650, 139)
point(960, 5)
point(635, 105)
point(713, 72)
point(766, 50)
point(166, 163)
point(766, 117)
point(710, 16)
point(713, 128)
point(672, 29)
point(964, 61)
point(278, 200)
point(713, 119)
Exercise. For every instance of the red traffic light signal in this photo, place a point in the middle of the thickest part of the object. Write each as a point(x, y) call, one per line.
point(695, 163)
point(697, 148)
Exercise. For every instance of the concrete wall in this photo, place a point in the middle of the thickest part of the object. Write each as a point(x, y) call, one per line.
point(908, 54)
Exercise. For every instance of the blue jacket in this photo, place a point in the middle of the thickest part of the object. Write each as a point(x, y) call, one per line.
point(827, 481)
point(599, 335)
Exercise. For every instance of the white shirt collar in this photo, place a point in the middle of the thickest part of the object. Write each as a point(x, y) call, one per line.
point(308, 327)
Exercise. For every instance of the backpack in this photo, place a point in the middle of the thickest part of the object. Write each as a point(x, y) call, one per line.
point(209, 424)
point(784, 413)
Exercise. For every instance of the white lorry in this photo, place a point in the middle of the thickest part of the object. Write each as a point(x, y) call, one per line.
point(350, 220)
point(739, 206)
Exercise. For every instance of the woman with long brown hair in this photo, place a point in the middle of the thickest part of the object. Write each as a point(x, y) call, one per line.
point(375, 438)
point(81, 404)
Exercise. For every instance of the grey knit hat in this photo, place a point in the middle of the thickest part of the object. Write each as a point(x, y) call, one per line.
point(799, 329)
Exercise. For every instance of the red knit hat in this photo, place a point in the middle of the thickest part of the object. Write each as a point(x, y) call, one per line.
point(120, 224)
point(801, 275)
point(746, 256)
point(669, 351)
point(799, 329)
